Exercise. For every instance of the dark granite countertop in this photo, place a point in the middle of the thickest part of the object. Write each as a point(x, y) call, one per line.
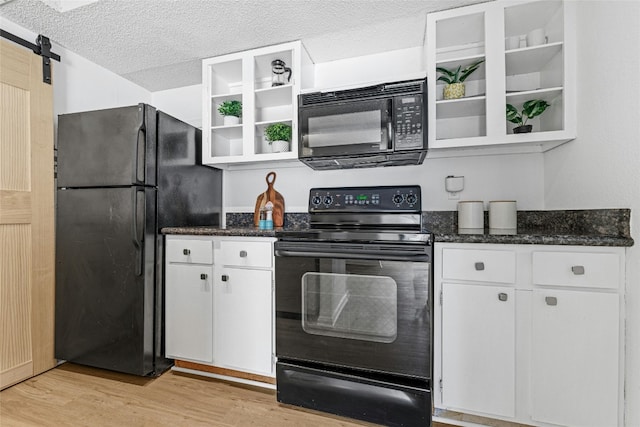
point(598, 227)
point(534, 237)
point(594, 227)
point(218, 231)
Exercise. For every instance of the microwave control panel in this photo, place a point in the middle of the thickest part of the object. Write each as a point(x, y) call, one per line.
point(409, 122)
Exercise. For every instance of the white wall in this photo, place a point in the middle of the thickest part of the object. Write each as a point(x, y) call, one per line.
point(184, 103)
point(401, 64)
point(486, 178)
point(601, 168)
point(79, 84)
point(518, 177)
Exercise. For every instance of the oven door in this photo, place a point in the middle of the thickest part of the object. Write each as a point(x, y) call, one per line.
point(357, 306)
point(349, 128)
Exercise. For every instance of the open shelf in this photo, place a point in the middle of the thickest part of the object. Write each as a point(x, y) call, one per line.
point(247, 77)
point(543, 70)
point(274, 96)
point(463, 107)
point(226, 78)
point(531, 59)
point(228, 132)
point(262, 67)
point(452, 64)
point(518, 98)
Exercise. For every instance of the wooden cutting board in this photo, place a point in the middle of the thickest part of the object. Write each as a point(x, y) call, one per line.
point(271, 195)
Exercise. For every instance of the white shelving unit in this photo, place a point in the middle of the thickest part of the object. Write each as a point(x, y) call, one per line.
point(246, 77)
point(545, 71)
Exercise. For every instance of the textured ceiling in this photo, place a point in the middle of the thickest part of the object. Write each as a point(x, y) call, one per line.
point(159, 44)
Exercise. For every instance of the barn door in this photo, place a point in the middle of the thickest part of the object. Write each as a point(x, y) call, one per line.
point(26, 217)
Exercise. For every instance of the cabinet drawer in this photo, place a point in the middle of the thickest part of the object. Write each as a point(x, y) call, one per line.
point(189, 251)
point(590, 270)
point(246, 254)
point(479, 265)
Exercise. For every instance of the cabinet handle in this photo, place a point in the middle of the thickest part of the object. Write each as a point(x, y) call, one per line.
point(502, 296)
point(203, 276)
point(186, 251)
point(551, 300)
point(479, 266)
point(225, 278)
point(578, 270)
point(243, 254)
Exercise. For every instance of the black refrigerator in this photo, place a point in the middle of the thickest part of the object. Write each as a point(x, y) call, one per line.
point(122, 175)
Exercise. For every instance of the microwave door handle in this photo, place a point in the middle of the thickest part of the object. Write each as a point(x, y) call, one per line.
point(390, 130)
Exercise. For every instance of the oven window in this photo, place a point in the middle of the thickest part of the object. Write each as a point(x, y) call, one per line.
point(350, 306)
point(362, 127)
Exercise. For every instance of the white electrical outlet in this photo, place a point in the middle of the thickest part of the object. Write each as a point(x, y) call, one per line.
point(454, 185)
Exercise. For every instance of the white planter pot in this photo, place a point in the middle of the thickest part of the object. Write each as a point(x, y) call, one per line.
point(231, 120)
point(265, 146)
point(280, 146)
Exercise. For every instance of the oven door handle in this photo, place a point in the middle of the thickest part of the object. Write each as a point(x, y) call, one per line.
point(378, 255)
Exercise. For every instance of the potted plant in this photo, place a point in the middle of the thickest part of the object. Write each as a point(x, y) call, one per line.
point(279, 136)
point(231, 112)
point(455, 78)
point(530, 109)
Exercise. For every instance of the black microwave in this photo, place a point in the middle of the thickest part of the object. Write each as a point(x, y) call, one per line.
point(380, 125)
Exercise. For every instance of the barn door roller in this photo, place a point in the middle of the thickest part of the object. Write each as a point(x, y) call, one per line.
point(42, 48)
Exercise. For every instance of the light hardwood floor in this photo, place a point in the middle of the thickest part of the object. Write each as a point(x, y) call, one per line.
point(73, 395)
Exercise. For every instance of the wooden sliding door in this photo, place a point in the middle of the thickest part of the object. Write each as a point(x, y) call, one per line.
point(26, 217)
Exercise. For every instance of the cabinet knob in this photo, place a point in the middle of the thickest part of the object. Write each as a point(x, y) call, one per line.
point(551, 300)
point(243, 254)
point(479, 266)
point(502, 296)
point(225, 278)
point(186, 251)
point(203, 276)
point(578, 270)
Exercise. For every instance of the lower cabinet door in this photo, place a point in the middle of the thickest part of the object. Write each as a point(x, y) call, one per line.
point(243, 322)
point(575, 357)
point(189, 312)
point(478, 348)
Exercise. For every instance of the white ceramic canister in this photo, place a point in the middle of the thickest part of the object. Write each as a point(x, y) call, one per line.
point(536, 37)
point(471, 216)
point(503, 215)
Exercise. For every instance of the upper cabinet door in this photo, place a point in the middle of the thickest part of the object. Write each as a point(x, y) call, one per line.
point(528, 53)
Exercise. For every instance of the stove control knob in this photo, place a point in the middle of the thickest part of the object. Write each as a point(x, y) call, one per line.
point(328, 200)
point(412, 199)
point(316, 200)
point(397, 199)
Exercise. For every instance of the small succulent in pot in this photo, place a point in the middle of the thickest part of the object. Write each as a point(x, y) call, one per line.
point(279, 136)
point(530, 109)
point(455, 78)
point(231, 111)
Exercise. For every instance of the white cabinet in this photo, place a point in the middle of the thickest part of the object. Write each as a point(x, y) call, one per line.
point(576, 337)
point(219, 306)
point(244, 316)
point(575, 351)
point(189, 299)
point(246, 77)
point(478, 348)
point(533, 334)
point(516, 68)
point(243, 320)
point(477, 343)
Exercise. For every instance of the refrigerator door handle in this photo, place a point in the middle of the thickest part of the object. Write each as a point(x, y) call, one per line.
point(134, 230)
point(141, 134)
